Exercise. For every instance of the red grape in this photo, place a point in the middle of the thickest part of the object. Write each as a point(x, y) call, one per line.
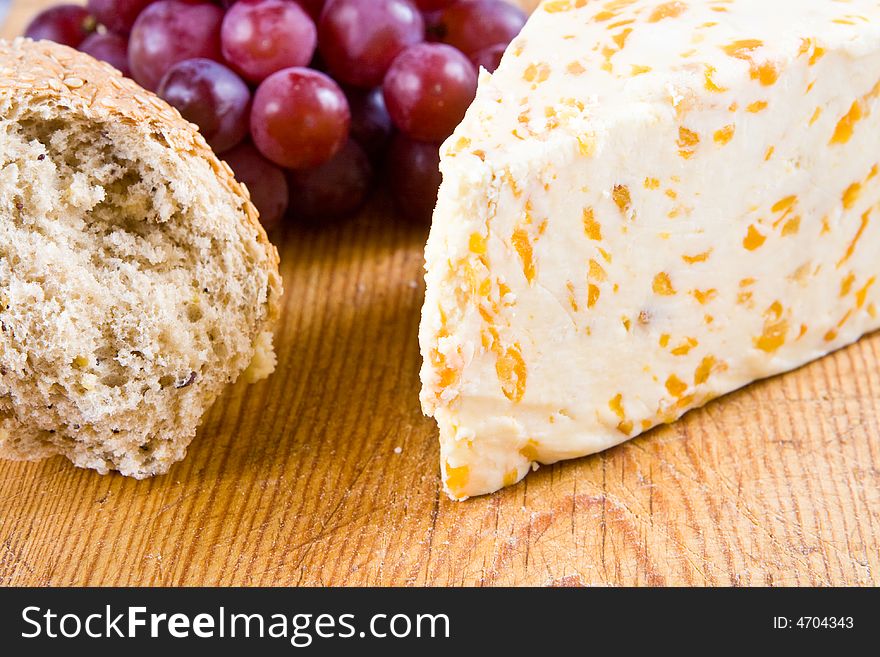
point(260, 37)
point(266, 182)
point(212, 96)
point(300, 118)
point(360, 38)
point(117, 15)
point(109, 47)
point(170, 31)
point(67, 24)
point(431, 5)
point(371, 126)
point(489, 58)
point(472, 26)
point(434, 29)
point(312, 7)
point(413, 173)
point(428, 89)
point(337, 188)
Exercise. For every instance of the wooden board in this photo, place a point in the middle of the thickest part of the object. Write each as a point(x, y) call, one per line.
point(327, 473)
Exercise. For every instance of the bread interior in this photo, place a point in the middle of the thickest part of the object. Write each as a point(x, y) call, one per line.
point(112, 286)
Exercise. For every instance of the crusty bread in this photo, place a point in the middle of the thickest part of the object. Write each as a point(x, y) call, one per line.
point(135, 279)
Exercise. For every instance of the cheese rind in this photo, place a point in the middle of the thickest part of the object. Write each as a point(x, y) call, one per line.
point(648, 205)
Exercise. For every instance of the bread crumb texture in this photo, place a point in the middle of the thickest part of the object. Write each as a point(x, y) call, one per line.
point(135, 279)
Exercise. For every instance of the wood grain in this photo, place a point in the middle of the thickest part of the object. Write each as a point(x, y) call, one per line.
point(296, 481)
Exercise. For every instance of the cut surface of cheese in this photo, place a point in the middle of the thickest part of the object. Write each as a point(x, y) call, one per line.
point(648, 205)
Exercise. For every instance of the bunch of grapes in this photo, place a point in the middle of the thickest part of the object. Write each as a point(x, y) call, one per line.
point(311, 102)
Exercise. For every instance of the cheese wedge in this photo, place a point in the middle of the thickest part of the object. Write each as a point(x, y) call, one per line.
point(648, 205)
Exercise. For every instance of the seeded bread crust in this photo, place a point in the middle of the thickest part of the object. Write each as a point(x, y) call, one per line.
point(108, 404)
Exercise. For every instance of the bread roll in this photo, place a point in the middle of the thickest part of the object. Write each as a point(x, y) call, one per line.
point(135, 279)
